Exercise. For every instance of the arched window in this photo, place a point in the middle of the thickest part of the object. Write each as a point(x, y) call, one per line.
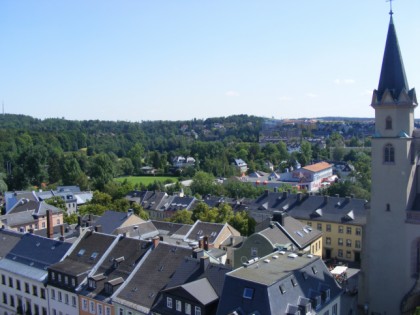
point(388, 123)
point(389, 154)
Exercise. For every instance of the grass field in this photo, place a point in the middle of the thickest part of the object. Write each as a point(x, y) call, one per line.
point(146, 180)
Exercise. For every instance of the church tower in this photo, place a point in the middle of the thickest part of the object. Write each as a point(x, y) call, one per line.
point(391, 251)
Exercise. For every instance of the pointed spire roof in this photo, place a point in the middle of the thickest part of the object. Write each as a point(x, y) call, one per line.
point(393, 75)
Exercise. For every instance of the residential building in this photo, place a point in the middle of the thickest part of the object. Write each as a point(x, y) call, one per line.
point(67, 277)
point(95, 297)
point(111, 221)
point(281, 283)
point(340, 219)
point(282, 232)
point(24, 274)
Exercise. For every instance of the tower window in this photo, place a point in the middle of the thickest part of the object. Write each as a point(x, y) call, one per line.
point(389, 154)
point(388, 207)
point(388, 123)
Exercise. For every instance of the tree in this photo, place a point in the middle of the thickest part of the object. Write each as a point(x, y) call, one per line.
point(57, 202)
point(182, 216)
point(305, 155)
point(203, 183)
point(102, 170)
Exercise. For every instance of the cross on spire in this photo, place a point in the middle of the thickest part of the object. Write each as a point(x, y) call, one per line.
point(390, 7)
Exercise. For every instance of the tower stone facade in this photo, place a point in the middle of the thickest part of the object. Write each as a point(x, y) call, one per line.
point(391, 244)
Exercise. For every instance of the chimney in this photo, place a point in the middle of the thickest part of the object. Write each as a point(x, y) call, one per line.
point(201, 243)
point(197, 253)
point(266, 192)
point(299, 197)
point(206, 242)
point(98, 228)
point(204, 262)
point(50, 227)
point(285, 194)
point(155, 241)
point(278, 216)
point(62, 230)
point(79, 221)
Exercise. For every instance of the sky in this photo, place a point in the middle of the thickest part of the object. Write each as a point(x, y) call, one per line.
point(140, 60)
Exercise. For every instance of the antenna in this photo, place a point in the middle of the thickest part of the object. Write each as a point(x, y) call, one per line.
point(390, 7)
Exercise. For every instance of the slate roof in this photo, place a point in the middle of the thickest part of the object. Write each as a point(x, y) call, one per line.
point(111, 220)
point(152, 199)
point(11, 198)
point(170, 228)
point(393, 75)
point(276, 282)
point(156, 271)
point(143, 230)
point(82, 258)
point(8, 239)
point(38, 252)
point(310, 207)
point(117, 266)
point(200, 229)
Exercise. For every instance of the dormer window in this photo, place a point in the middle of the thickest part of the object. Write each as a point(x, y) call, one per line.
point(388, 123)
point(389, 153)
point(92, 284)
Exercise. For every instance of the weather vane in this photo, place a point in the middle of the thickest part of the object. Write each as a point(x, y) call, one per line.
point(390, 6)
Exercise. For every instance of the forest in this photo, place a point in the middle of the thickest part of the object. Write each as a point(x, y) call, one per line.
point(41, 154)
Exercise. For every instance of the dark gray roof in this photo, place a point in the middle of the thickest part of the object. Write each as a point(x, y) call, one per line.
point(8, 239)
point(393, 75)
point(118, 265)
point(170, 228)
point(153, 275)
point(306, 207)
point(111, 220)
point(85, 255)
point(200, 229)
point(276, 282)
point(37, 251)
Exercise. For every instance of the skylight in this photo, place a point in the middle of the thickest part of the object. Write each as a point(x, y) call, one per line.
point(94, 255)
point(248, 293)
point(81, 252)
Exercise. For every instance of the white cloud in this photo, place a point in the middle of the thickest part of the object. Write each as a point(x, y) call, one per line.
point(344, 81)
point(284, 98)
point(232, 93)
point(312, 95)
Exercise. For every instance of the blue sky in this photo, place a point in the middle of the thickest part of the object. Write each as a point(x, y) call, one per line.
point(137, 60)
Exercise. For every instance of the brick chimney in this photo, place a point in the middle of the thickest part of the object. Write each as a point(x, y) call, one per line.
point(206, 242)
point(50, 226)
point(155, 241)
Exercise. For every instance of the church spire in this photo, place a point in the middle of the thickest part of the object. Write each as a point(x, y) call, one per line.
point(393, 76)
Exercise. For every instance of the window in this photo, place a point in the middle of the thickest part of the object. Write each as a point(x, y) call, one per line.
point(52, 294)
point(197, 310)
point(34, 290)
point(53, 275)
point(328, 241)
point(58, 221)
point(26, 287)
point(319, 226)
point(73, 301)
point(357, 244)
point(66, 298)
point(314, 270)
point(100, 309)
point(120, 311)
point(340, 253)
point(12, 301)
point(348, 229)
point(66, 280)
point(340, 241)
point(340, 229)
point(294, 282)
point(254, 252)
point(59, 277)
point(335, 309)
point(282, 288)
point(43, 294)
point(348, 254)
point(73, 282)
point(388, 207)
point(309, 223)
point(169, 302)
point(389, 153)
point(43, 225)
point(348, 243)
point(44, 311)
point(3, 279)
point(11, 282)
point(92, 284)
point(187, 309)
point(92, 307)
point(60, 296)
point(248, 293)
point(358, 231)
point(388, 123)
point(107, 310)
point(4, 298)
point(178, 306)
point(18, 285)
point(328, 227)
